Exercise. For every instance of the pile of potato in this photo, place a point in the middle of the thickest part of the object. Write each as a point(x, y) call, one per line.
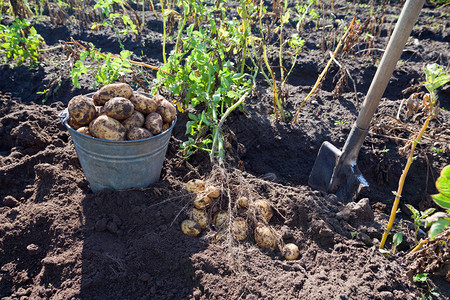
point(117, 113)
point(201, 216)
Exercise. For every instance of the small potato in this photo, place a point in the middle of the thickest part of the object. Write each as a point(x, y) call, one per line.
point(239, 229)
point(166, 126)
point(81, 109)
point(118, 108)
point(154, 123)
point(72, 123)
point(167, 111)
point(264, 237)
point(290, 251)
point(190, 228)
point(263, 207)
point(220, 219)
point(200, 216)
point(195, 186)
point(111, 91)
point(137, 119)
point(143, 103)
point(243, 202)
point(138, 133)
point(212, 191)
point(202, 201)
point(107, 128)
point(84, 130)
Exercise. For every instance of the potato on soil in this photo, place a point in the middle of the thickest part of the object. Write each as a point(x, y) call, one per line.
point(243, 202)
point(118, 108)
point(290, 251)
point(111, 91)
point(190, 227)
point(137, 119)
point(167, 111)
point(239, 229)
point(138, 133)
point(72, 123)
point(265, 237)
point(143, 103)
point(107, 128)
point(154, 123)
point(212, 191)
point(220, 218)
point(202, 201)
point(84, 130)
point(81, 109)
point(263, 207)
point(195, 186)
point(200, 216)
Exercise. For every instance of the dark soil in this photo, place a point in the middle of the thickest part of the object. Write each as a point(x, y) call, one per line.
point(58, 240)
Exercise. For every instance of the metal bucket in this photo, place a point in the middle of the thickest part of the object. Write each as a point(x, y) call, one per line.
point(119, 165)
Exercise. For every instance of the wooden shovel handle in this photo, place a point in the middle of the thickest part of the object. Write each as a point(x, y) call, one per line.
point(408, 17)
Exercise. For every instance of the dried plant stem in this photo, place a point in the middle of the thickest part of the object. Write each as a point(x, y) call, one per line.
point(324, 72)
point(402, 182)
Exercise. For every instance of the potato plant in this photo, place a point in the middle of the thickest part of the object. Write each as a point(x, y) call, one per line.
point(20, 43)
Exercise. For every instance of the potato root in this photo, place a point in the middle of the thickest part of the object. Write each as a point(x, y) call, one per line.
point(212, 191)
point(264, 237)
point(220, 219)
point(190, 228)
point(243, 202)
point(202, 201)
point(81, 109)
point(290, 251)
point(118, 108)
point(239, 228)
point(107, 128)
point(263, 207)
point(195, 186)
point(200, 216)
point(138, 133)
point(143, 103)
point(111, 91)
point(154, 123)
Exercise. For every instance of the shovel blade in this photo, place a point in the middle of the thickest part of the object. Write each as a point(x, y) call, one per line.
point(323, 168)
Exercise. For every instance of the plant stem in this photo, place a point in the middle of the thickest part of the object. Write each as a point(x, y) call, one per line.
point(324, 72)
point(402, 182)
point(216, 138)
point(276, 102)
point(164, 32)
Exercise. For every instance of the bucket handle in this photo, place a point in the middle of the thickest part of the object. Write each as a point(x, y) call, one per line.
point(64, 116)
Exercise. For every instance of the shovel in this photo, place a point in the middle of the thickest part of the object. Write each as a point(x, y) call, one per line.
point(336, 171)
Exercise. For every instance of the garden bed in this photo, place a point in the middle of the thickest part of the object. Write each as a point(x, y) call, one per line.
point(58, 240)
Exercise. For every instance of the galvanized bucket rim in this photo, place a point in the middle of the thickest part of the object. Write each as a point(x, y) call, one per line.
point(64, 116)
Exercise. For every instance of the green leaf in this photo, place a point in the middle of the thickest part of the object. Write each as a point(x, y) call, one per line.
point(443, 185)
point(441, 200)
point(414, 211)
point(446, 172)
point(438, 227)
point(420, 277)
point(397, 239)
